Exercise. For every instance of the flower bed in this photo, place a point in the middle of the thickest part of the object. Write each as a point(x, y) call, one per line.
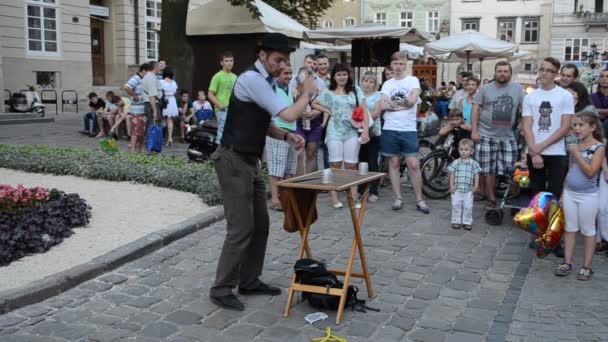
point(33, 220)
point(161, 171)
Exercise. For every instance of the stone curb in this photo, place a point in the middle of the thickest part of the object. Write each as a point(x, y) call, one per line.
point(26, 121)
point(57, 283)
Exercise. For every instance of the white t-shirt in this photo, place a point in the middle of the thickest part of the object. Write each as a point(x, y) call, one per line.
point(546, 108)
point(197, 105)
point(398, 91)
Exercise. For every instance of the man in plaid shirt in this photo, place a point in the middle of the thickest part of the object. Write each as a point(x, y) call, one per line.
point(464, 181)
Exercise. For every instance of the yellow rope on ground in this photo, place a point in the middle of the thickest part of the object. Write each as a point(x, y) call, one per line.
point(329, 338)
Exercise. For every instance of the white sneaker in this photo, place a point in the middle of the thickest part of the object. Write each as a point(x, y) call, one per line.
point(358, 205)
point(373, 198)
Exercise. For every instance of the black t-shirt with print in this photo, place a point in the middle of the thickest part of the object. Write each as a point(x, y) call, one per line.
point(99, 105)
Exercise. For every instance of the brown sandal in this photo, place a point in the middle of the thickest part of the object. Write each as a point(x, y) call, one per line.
point(490, 205)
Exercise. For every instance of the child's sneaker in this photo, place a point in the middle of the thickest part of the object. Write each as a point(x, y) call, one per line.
point(467, 226)
point(422, 207)
point(397, 204)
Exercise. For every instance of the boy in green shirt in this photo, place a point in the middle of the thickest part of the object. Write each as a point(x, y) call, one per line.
point(220, 90)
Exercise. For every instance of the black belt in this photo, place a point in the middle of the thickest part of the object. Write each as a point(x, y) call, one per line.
point(235, 149)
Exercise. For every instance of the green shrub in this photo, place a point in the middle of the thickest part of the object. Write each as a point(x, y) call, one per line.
point(161, 171)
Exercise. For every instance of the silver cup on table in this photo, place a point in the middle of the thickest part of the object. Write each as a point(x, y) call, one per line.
point(327, 176)
point(363, 168)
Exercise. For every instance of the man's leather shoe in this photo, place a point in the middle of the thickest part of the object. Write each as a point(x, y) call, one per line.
point(229, 302)
point(263, 289)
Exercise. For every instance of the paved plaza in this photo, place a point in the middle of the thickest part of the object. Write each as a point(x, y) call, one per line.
point(431, 283)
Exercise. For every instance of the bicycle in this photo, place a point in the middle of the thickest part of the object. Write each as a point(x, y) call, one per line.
point(433, 168)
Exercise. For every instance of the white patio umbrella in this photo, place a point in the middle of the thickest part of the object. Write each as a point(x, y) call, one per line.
point(413, 52)
point(469, 45)
point(453, 58)
point(347, 34)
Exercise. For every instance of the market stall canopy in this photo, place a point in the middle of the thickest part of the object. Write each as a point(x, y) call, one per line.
point(413, 52)
point(346, 34)
point(215, 17)
point(510, 56)
point(470, 44)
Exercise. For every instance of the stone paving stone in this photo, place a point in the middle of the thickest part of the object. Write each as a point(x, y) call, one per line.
point(183, 317)
point(159, 330)
point(142, 302)
point(114, 278)
point(96, 286)
point(10, 320)
point(471, 325)
point(33, 311)
point(427, 335)
point(243, 331)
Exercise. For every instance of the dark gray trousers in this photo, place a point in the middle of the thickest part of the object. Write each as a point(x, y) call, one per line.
point(244, 193)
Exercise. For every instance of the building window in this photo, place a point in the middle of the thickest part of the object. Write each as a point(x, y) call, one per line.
point(433, 21)
point(328, 23)
point(407, 19)
point(381, 18)
point(153, 16)
point(42, 31)
point(470, 24)
point(46, 79)
point(506, 29)
point(349, 22)
point(574, 47)
point(530, 30)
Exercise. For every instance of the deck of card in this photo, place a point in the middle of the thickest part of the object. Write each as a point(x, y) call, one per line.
point(313, 317)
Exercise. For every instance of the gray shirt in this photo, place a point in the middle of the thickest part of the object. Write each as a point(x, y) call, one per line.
point(150, 86)
point(252, 86)
point(498, 109)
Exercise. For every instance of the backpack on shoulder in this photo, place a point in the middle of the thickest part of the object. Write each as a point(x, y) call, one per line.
point(312, 272)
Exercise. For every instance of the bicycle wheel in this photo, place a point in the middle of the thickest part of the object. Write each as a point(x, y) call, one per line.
point(434, 171)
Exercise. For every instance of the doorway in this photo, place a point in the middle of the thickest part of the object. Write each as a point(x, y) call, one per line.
point(97, 52)
point(426, 69)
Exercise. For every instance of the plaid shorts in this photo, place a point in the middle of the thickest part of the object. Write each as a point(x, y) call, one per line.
point(280, 157)
point(495, 155)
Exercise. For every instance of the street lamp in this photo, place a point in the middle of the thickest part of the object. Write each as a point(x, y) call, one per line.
point(594, 57)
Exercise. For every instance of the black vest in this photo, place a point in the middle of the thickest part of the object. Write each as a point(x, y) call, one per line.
point(246, 125)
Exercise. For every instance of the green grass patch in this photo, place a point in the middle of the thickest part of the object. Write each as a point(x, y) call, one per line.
point(158, 170)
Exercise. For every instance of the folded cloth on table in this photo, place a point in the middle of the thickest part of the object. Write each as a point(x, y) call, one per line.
point(304, 200)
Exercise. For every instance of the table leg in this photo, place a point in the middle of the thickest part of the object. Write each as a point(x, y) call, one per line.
point(357, 224)
point(304, 228)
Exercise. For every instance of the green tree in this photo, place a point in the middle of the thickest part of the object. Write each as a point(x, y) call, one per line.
point(307, 12)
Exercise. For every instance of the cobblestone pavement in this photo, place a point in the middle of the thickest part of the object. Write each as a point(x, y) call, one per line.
point(64, 133)
point(432, 283)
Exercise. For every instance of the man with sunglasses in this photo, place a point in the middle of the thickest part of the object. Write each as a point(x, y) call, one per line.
point(546, 120)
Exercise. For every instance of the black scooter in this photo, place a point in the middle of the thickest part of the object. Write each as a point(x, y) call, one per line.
point(201, 141)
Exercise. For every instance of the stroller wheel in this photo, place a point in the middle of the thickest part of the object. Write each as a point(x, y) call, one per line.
point(494, 217)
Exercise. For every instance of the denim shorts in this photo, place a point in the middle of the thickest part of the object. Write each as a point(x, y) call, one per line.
point(397, 143)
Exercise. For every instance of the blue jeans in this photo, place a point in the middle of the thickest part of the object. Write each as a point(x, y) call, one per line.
point(397, 143)
point(221, 122)
point(90, 116)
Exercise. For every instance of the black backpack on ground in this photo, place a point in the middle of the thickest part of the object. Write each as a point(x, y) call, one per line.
point(312, 272)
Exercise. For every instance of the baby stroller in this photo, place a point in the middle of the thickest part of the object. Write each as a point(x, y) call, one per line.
point(514, 198)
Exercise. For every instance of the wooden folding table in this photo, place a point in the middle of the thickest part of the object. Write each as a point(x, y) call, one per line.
point(342, 181)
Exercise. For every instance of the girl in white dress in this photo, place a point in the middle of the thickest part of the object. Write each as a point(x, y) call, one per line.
point(169, 87)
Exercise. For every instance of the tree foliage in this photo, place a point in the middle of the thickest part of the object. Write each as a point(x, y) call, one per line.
point(306, 12)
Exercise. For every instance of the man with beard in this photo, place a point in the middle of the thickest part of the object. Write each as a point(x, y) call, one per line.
point(493, 116)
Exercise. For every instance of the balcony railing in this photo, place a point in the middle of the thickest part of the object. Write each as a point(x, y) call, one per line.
point(585, 18)
point(596, 18)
